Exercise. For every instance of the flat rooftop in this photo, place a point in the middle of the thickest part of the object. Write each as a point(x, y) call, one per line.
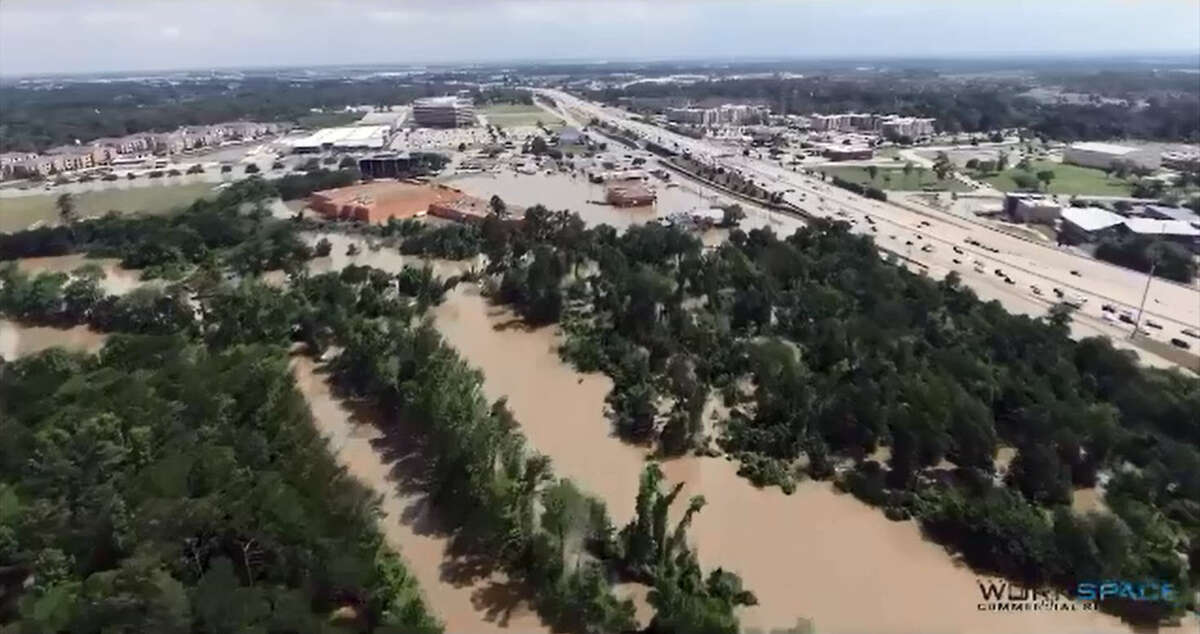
point(391, 199)
point(1104, 148)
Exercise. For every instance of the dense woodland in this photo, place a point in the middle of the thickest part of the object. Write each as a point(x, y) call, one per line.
point(178, 507)
point(825, 353)
point(40, 116)
point(1167, 104)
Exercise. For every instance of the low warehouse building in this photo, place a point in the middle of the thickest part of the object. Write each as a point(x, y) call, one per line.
point(1177, 231)
point(1105, 155)
point(1088, 224)
point(1027, 208)
point(629, 193)
point(848, 153)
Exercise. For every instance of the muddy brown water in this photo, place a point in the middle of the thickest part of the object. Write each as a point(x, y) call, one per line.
point(562, 191)
point(464, 594)
point(815, 554)
point(17, 340)
point(117, 281)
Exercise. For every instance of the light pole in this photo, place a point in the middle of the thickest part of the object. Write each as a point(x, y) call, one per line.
point(1137, 323)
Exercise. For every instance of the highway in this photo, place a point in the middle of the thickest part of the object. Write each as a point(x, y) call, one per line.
point(1029, 272)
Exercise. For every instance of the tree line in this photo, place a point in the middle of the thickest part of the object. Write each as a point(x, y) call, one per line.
point(36, 118)
point(1161, 105)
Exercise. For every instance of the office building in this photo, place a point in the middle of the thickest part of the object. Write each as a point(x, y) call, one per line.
point(443, 112)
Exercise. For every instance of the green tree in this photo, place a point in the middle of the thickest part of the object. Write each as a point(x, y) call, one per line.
point(65, 204)
point(1045, 176)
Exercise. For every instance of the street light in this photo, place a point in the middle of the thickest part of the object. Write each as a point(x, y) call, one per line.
point(1137, 323)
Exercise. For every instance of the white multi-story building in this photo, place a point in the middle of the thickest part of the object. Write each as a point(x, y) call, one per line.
point(1105, 155)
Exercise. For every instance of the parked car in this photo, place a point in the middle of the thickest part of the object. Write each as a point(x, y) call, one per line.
point(1180, 343)
point(1191, 333)
point(1035, 289)
point(1108, 308)
point(1075, 273)
point(1153, 324)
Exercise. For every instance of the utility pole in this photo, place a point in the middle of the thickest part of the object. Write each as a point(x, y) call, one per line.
point(1137, 323)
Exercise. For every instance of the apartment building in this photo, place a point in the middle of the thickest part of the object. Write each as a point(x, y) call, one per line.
point(727, 114)
point(887, 125)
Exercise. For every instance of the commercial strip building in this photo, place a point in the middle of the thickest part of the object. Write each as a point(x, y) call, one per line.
point(443, 112)
point(1106, 155)
point(1089, 224)
point(351, 138)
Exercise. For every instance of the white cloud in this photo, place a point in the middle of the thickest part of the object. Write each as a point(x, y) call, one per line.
point(170, 32)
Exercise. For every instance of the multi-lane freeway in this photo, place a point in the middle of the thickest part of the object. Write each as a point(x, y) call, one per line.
point(1025, 276)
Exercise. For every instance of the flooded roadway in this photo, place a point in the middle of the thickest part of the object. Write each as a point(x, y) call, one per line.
point(815, 554)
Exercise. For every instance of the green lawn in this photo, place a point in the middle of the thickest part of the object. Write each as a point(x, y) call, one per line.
point(894, 179)
point(507, 115)
point(18, 212)
point(1068, 179)
point(315, 120)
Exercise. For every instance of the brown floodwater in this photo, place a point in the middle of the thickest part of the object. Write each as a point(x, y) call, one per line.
point(562, 191)
point(815, 554)
point(17, 340)
point(463, 593)
point(117, 281)
point(384, 258)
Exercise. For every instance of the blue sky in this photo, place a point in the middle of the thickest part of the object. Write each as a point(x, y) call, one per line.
point(42, 36)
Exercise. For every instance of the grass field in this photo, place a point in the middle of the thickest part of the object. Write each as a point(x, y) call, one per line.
point(508, 115)
point(1068, 179)
point(327, 119)
point(894, 179)
point(18, 212)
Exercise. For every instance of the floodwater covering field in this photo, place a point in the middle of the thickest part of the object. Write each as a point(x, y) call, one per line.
point(815, 554)
point(18, 341)
point(575, 193)
point(117, 281)
point(19, 210)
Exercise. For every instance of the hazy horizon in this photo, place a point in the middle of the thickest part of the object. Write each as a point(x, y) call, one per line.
point(152, 35)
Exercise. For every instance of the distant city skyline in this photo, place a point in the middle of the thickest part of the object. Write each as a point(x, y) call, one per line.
point(74, 36)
